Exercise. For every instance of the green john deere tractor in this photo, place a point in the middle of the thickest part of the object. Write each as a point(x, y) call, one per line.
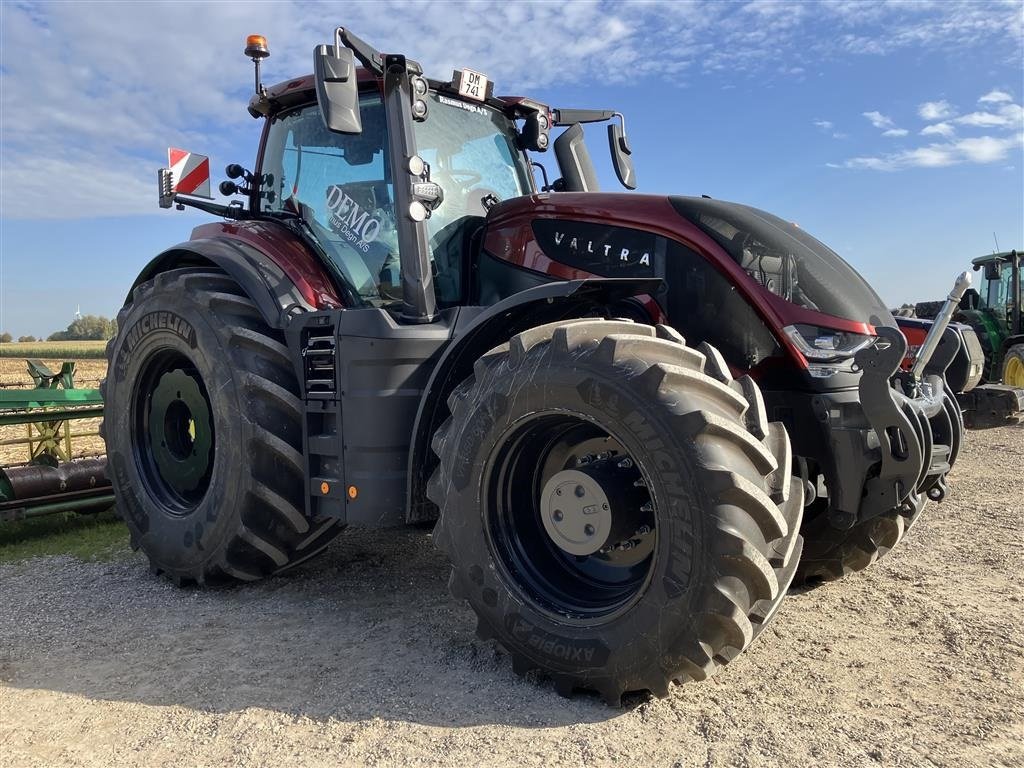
point(996, 317)
point(994, 313)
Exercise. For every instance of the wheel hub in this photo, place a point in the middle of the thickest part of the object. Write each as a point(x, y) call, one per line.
point(576, 512)
point(180, 431)
point(596, 505)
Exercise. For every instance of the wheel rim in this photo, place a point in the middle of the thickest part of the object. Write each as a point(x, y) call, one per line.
point(173, 440)
point(1014, 374)
point(570, 518)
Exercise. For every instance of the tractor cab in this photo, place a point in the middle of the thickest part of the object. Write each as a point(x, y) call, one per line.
point(995, 315)
point(1002, 290)
point(342, 187)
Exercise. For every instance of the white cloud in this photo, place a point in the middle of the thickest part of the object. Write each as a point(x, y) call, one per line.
point(881, 121)
point(936, 110)
point(995, 97)
point(83, 99)
point(1008, 115)
point(878, 119)
point(1002, 118)
point(939, 129)
point(979, 150)
point(986, 149)
point(825, 125)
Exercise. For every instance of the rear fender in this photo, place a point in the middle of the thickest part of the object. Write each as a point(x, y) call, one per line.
point(492, 327)
point(263, 280)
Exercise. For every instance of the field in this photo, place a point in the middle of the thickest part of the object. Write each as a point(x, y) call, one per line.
point(88, 372)
point(55, 350)
point(360, 658)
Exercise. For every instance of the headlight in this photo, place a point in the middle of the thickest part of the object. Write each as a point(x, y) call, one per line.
point(827, 350)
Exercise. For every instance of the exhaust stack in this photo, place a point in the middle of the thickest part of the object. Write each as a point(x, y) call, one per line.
point(931, 341)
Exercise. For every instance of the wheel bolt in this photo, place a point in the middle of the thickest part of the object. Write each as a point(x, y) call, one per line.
point(580, 491)
point(588, 529)
point(625, 464)
point(558, 491)
point(558, 516)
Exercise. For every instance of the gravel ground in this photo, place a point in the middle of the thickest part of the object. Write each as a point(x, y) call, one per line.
point(362, 659)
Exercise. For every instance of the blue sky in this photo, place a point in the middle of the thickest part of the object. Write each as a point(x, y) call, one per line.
point(891, 130)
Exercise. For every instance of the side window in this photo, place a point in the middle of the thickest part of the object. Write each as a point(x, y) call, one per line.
point(340, 186)
point(705, 306)
point(472, 155)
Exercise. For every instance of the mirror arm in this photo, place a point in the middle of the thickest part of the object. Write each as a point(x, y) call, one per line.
point(368, 56)
point(566, 117)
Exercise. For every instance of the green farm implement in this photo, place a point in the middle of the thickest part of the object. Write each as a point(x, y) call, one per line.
point(50, 479)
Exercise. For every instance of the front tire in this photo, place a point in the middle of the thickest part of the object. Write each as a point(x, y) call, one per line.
point(203, 426)
point(832, 553)
point(1013, 366)
point(675, 536)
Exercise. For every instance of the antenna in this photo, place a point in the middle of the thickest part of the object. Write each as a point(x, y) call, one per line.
point(997, 242)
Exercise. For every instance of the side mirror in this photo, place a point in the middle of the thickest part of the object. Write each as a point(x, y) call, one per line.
point(621, 155)
point(992, 271)
point(337, 90)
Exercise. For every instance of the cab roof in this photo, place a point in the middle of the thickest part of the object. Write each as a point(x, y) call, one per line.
point(290, 93)
point(998, 257)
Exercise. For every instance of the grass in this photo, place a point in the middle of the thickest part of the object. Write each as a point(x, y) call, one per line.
point(99, 537)
point(63, 350)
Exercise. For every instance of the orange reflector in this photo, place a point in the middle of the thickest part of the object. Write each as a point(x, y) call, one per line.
point(325, 488)
point(353, 492)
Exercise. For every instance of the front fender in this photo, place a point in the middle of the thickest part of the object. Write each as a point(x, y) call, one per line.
point(486, 328)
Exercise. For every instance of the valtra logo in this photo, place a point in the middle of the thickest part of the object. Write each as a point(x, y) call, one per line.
point(601, 249)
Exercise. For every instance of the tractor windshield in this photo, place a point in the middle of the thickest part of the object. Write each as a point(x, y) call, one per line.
point(786, 260)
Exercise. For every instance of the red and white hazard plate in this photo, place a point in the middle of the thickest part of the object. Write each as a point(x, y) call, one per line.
point(190, 172)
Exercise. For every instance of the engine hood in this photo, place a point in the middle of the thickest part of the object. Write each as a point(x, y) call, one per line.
point(777, 264)
point(650, 212)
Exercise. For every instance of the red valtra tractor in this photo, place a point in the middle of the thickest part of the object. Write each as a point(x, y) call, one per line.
point(636, 419)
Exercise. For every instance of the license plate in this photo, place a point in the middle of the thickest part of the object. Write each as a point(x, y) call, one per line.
point(473, 85)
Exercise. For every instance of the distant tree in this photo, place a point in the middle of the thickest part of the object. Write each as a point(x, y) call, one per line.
point(6, 338)
point(86, 328)
point(24, 339)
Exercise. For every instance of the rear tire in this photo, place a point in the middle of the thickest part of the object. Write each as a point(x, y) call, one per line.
point(203, 426)
point(699, 487)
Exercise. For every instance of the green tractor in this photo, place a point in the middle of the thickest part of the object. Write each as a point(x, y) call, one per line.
point(994, 313)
